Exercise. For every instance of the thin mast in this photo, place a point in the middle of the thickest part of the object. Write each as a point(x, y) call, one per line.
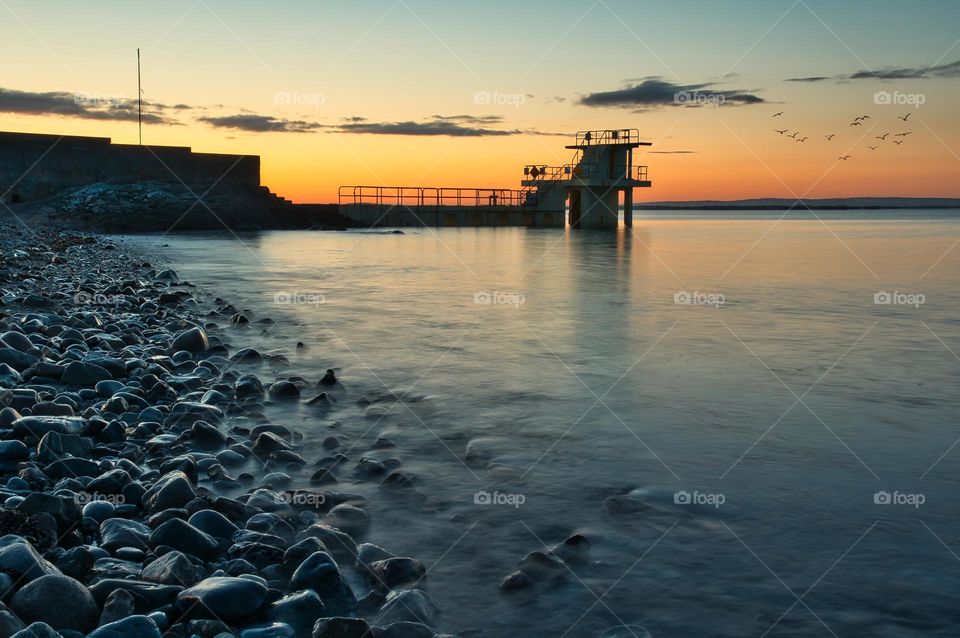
point(139, 100)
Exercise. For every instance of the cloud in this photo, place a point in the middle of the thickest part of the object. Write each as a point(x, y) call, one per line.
point(941, 71)
point(433, 127)
point(655, 92)
point(83, 106)
point(253, 123)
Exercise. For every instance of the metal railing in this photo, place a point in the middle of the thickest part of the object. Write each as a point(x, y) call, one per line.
point(416, 196)
point(608, 136)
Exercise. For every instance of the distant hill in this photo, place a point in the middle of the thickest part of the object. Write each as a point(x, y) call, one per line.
point(836, 203)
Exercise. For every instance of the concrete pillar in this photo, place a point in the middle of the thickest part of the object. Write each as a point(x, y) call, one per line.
point(599, 208)
point(628, 207)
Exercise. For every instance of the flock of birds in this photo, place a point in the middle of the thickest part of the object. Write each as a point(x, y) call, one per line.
point(857, 121)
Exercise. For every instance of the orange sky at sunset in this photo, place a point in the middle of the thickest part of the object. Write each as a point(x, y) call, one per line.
point(552, 68)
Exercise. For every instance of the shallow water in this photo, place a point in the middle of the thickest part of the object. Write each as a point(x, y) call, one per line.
point(783, 407)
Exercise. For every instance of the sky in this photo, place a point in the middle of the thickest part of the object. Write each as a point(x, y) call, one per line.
point(440, 93)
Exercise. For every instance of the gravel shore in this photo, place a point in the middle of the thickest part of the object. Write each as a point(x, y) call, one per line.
point(125, 414)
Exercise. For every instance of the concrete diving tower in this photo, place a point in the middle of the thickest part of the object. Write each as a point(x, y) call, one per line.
point(602, 168)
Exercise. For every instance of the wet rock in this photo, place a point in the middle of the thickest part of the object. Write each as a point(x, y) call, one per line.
point(349, 518)
point(83, 374)
point(268, 442)
point(37, 426)
point(320, 573)
point(56, 445)
point(64, 509)
point(273, 630)
point(148, 596)
point(229, 598)
point(13, 451)
point(329, 379)
point(129, 627)
point(181, 535)
point(194, 341)
point(118, 532)
point(21, 561)
point(342, 627)
point(9, 623)
point(172, 490)
point(393, 573)
point(38, 630)
point(9, 378)
point(119, 605)
point(515, 580)
point(19, 361)
point(247, 355)
point(300, 610)
point(408, 605)
point(173, 568)
point(284, 390)
point(59, 601)
point(213, 523)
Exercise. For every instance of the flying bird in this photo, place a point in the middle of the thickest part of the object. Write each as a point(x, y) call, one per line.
point(829, 137)
point(873, 148)
point(904, 117)
point(795, 133)
point(802, 139)
point(864, 117)
point(856, 123)
point(781, 132)
point(883, 138)
point(845, 157)
point(898, 142)
point(777, 114)
point(903, 134)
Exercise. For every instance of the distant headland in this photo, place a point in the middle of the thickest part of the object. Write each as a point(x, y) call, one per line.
point(780, 203)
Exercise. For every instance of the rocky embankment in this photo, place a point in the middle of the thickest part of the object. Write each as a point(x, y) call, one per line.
point(124, 413)
point(164, 207)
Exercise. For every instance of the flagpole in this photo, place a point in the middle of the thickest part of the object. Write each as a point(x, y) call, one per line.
point(139, 100)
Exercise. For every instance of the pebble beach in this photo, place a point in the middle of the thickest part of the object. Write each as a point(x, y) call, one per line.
point(126, 416)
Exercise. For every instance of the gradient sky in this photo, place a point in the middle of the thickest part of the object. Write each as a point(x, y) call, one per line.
point(313, 69)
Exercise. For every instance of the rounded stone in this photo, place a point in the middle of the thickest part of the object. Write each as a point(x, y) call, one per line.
point(59, 601)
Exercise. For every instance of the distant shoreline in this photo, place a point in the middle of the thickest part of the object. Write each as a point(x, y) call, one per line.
point(730, 207)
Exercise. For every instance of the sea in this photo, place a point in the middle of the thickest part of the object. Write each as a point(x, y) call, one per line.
point(751, 418)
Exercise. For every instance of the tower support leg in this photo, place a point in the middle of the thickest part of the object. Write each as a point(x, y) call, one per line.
point(628, 207)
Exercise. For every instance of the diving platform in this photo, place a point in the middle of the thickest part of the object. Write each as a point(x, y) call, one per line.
point(601, 172)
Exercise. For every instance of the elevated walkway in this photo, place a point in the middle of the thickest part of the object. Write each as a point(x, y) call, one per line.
point(600, 171)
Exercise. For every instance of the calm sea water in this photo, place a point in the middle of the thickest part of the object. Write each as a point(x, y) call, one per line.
point(754, 441)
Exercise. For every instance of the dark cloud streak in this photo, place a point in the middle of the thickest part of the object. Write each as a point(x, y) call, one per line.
point(942, 71)
point(655, 92)
point(82, 106)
